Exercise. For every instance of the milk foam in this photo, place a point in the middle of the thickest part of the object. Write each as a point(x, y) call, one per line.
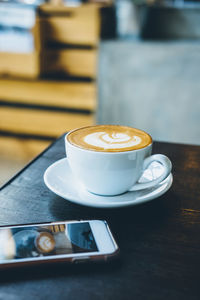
point(111, 141)
point(109, 138)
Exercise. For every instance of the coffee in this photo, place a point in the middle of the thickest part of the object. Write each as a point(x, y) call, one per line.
point(109, 138)
point(45, 242)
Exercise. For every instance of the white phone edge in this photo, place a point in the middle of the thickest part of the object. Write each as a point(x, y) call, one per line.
point(105, 243)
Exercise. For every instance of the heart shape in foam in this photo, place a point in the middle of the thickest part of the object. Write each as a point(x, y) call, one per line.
point(115, 140)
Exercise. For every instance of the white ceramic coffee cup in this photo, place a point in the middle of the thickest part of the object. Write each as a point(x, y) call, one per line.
point(113, 173)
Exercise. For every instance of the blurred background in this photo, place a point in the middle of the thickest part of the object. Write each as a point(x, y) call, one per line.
point(67, 64)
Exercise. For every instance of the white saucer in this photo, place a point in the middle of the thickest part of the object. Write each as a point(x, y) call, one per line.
point(60, 180)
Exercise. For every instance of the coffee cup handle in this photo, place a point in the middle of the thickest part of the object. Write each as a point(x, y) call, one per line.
point(167, 166)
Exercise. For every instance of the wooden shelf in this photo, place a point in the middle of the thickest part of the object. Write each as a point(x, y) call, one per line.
point(70, 25)
point(42, 122)
point(66, 94)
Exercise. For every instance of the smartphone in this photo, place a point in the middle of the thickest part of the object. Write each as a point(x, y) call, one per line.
point(70, 241)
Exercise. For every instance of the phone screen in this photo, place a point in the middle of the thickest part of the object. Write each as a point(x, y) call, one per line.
point(46, 240)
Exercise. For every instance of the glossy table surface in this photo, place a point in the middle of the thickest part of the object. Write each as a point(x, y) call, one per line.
point(159, 240)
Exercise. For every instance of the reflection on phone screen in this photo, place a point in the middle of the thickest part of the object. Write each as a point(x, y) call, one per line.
point(37, 241)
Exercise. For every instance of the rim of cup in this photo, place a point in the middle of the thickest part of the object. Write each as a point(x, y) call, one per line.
point(106, 152)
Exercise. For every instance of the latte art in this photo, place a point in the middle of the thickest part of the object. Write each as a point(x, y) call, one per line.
point(109, 138)
point(111, 141)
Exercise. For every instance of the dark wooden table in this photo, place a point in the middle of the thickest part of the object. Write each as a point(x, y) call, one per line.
point(159, 241)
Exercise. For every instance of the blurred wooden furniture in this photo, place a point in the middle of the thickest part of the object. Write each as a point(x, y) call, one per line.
point(40, 110)
point(50, 89)
point(77, 25)
point(58, 38)
point(68, 62)
point(52, 112)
